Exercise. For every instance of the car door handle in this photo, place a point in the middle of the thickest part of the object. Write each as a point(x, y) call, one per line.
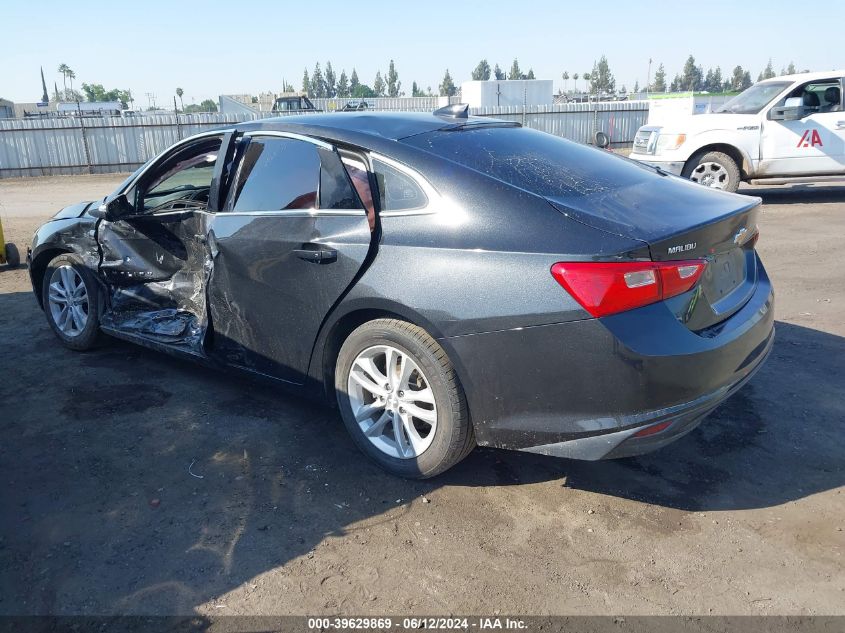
point(318, 256)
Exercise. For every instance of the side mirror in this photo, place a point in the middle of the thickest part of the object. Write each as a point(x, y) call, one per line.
point(113, 209)
point(791, 110)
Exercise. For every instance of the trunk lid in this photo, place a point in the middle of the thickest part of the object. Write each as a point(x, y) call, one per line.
point(681, 220)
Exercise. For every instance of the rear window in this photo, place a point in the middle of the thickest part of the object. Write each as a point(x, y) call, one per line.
point(535, 161)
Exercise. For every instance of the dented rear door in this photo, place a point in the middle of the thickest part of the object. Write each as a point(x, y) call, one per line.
point(290, 239)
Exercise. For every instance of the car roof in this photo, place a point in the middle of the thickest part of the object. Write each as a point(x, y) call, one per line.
point(353, 126)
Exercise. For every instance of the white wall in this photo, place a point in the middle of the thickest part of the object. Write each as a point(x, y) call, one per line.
point(483, 94)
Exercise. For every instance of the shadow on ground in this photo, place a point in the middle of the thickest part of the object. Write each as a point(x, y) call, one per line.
point(804, 194)
point(135, 483)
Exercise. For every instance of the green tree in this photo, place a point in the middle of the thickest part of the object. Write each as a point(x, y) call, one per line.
point(659, 84)
point(331, 81)
point(363, 91)
point(447, 86)
point(179, 93)
point(602, 81)
point(530, 74)
point(96, 92)
point(205, 106)
point(393, 83)
point(692, 77)
point(415, 90)
point(575, 80)
point(482, 71)
point(736, 78)
point(636, 87)
point(746, 80)
point(565, 77)
point(768, 72)
point(378, 85)
point(318, 82)
point(499, 74)
point(515, 72)
point(306, 83)
point(354, 83)
point(586, 77)
point(790, 70)
point(343, 85)
point(713, 80)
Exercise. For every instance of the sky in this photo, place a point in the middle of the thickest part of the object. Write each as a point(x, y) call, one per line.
point(210, 48)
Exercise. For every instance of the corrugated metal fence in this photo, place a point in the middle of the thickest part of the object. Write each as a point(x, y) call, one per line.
point(64, 146)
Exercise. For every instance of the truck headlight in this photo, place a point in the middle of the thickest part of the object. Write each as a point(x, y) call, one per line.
point(669, 142)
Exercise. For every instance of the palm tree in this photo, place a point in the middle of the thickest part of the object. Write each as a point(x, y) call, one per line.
point(71, 75)
point(179, 93)
point(565, 77)
point(575, 78)
point(64, 69)
point(586, 77)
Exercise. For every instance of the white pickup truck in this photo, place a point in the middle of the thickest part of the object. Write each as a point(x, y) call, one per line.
point(786, 129)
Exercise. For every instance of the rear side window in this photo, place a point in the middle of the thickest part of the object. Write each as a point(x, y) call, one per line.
point(397, 190)
point(276, 174)
point(335, 187)
point(537, 162)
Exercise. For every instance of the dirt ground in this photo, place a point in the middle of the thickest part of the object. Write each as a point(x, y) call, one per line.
point(134, 483)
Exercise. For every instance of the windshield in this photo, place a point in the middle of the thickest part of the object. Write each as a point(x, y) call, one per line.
point(755, 98)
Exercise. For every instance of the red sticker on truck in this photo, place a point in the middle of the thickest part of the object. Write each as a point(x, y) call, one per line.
point(811, 138)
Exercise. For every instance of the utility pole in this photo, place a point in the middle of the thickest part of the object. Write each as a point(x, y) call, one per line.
point(151, 99)
point(648, 78)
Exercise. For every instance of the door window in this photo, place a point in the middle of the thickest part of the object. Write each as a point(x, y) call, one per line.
point(818, 96)
point(276, 174)
point(182, 181)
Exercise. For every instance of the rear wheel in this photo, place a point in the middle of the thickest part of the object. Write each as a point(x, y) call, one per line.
point(71, 297)
point(401, 401)
point(716, 170)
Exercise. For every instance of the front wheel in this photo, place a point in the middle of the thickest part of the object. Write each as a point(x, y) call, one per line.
point(71, 297)
point(401, 401)
point(716, 170)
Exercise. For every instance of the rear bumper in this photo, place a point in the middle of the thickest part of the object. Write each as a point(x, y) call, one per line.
point(670, 166)
point(681, 419)
point(584, 389)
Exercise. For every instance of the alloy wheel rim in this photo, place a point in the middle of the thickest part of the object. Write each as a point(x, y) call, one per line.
point(392, 401)
point(68, 299)
point(711, 175)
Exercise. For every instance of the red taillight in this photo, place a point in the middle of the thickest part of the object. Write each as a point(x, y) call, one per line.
point(604, 288)
point(654, 428)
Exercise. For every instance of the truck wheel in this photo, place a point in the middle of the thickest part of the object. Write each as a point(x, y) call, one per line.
point(713, 169)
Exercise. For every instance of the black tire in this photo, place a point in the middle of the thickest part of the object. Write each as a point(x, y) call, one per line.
point(13, 256)
point(89, 336)
point(696, 165)
point(453, 439)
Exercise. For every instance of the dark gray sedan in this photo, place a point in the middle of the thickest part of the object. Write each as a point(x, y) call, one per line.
point(446, 280)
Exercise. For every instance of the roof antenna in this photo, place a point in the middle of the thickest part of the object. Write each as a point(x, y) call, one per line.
point(455, 111)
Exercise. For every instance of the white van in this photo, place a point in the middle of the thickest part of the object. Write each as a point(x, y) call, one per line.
point(786, 129)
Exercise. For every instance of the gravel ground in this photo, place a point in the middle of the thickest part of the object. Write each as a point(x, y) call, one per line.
point(134, 483)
